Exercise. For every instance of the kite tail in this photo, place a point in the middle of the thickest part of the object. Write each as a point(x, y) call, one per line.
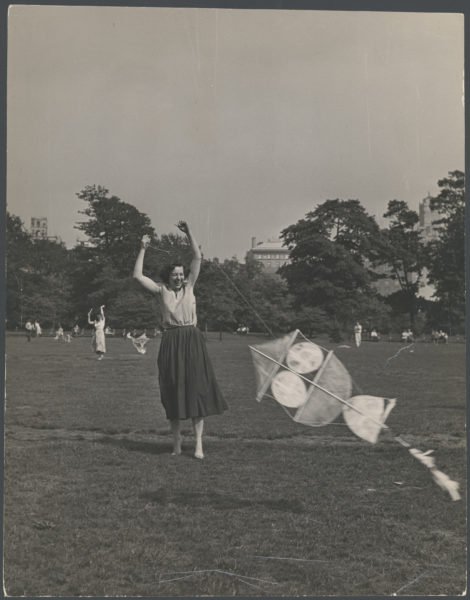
point(442, 480)
point(447, 484)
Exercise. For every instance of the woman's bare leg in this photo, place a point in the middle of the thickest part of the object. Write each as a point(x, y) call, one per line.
point(177, 437)
point(198, 426)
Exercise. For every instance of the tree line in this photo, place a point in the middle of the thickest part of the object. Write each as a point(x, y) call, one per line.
point(338, 253)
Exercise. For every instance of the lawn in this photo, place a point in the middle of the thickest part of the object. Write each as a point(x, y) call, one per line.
point(96, 505)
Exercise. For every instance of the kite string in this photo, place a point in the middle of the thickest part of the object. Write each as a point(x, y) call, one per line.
point(268, 329)
point(397, 353)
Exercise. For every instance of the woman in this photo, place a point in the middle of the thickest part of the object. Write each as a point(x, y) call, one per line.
point(29, 329)
point(59, 334)
point(357, 334)
point(37, 328)
point(188, 387)
point(98, 341)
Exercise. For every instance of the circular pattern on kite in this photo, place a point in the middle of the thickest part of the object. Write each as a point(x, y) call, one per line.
point(289, 389)
point(365, 423)
point(304, 357)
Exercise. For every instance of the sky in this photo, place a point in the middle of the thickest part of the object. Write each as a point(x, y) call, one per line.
point(238, 121)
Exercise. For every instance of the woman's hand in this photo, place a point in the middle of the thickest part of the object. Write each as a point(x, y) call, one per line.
point(145, 242)
point(102, 306)
point(183, 226)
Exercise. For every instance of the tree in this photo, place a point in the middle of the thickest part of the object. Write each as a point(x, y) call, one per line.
point(446, 255)
point(401, 250)
point(101, 268)
point(18, 255)
point(48, 300)
point(232, 294)
point(106, 286)
point(114, 228)
point(38, 284)
point(171, 248)
point(133, 308)
point(330, 251)
point(264, 302)
point(216, 300)
point(83, 269)
point(49, 257)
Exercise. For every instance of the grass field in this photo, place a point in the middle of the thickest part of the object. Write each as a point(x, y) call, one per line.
point(96, 505)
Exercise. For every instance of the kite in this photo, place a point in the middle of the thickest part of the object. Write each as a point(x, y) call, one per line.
point(314, 388)
point(139, 342)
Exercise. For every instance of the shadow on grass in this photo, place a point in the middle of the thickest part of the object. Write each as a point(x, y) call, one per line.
point(137, 446)
point(218, 501)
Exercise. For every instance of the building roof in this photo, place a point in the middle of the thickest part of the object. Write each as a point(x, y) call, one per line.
point(271, 245)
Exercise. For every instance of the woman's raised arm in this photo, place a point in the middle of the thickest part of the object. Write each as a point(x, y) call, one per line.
point(197, 256)
point(148, 283)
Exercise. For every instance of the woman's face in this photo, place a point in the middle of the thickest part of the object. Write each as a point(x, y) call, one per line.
point(176, 278)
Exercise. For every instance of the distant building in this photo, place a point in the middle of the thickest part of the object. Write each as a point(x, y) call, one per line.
point(428, 230)
point(271, 254)
point(429, 233)
point(85, 244)
point(387, 285)
point(38, 228)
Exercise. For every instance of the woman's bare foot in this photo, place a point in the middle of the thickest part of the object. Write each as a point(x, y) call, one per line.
point(198, 453)
point(177, 443)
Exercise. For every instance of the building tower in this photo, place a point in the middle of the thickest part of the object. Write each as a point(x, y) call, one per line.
point(426, 218)
point(38, 228)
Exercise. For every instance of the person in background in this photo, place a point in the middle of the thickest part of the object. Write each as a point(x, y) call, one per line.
point(357, 334)
point(37, 328)
point(98, 340)
point(59, 334)
point(407, 336)
point(29, 329)
point(443, 337)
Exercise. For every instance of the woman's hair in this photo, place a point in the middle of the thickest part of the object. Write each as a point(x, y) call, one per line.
point(168, 269)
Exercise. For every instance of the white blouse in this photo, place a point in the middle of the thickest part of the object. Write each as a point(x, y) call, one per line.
point(178, 307)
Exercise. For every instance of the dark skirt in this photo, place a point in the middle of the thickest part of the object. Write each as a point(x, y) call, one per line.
point(187, 382)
